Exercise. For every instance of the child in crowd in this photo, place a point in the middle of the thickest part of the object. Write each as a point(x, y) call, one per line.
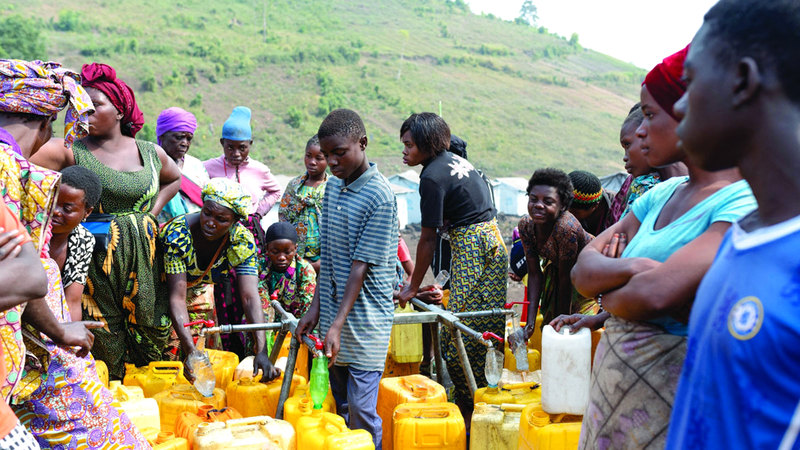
point(358, 256)
point(591, 204)
point(301, 204)
point(72, 244)
point(285, 272)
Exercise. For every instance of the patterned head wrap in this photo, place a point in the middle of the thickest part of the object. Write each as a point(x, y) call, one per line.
point(104, 78)
point(587, 189)
point(175, 119)
point(665, 82)
point(229, 194)
point(44, 89)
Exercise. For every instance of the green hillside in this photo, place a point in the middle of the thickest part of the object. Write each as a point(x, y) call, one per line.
point(521, 97)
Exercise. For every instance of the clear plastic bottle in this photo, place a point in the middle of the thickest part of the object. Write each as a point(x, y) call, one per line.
point(318, 379)
point(200, 366)
point(494, 367)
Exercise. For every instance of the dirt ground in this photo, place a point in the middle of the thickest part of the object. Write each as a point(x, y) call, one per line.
point(506, 223)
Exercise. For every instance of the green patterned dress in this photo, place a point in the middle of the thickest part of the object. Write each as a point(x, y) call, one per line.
point(126, 290)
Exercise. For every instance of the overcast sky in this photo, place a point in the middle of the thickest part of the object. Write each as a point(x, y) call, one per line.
point(642, 32)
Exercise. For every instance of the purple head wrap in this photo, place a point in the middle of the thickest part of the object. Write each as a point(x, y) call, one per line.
point(175, 119)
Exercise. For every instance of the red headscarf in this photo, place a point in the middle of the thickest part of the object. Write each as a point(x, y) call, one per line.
point(665, 81)
point(104, 78)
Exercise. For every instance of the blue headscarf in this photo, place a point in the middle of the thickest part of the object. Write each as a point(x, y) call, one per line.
point(237, 127)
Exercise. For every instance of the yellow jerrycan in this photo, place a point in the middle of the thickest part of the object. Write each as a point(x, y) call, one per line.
point(541, 431)
point(495, 427)
point(102, 371)
point(184, 397)
point(143, 412)
point(187, 421)
point(156, 377)
point(168, 441)
point(406, 340)
point(252, 433)
point(327, 431)
point(428, 426)
point(300, 404)
point(224, 365)
point(252, 398)
point(407, 389)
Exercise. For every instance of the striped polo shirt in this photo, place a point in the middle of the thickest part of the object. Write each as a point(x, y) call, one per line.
point(359, 223)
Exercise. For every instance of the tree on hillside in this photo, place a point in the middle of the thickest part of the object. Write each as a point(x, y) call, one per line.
point(20, 38)
point(528, 13)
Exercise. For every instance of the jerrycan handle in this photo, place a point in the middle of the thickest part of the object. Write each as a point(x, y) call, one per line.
point(331, 423)
point(418, 390)
point(166, 367)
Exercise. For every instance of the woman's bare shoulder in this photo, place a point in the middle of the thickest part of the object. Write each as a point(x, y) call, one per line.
point(54, 155)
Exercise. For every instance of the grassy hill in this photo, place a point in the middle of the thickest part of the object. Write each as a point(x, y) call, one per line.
point(521, 97)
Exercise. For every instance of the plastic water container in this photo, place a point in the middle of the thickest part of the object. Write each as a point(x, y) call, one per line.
point(260, 432)
point(350, 440)
point(187, 421)
point(533, 355)
point(428, 426)
point(300, 404)
point(314, 429)
point(143, 412)
point(541, 431)
point(102, 371)
point(409, 389)
point(168, 441)
point(151, 434)
point(517, 377)
point(184, 397)
point(393, 368)
point(224, 365)
point(199, 365)
point(253, 398)
point(301, 365)
point(566, 370)
point(495, 427)
point(521, 394)
point(156, 377)
point(406, 339)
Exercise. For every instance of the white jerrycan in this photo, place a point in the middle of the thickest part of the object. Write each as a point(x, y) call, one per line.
point(566, 370)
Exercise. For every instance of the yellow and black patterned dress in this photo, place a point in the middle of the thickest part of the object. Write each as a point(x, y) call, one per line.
point(125, 289)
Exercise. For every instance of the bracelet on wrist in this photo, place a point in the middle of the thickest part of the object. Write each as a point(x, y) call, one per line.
point(600, 301)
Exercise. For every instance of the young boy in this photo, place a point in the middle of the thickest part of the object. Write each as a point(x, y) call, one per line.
point(739, 387)
point(285, 272)
point(353, 301)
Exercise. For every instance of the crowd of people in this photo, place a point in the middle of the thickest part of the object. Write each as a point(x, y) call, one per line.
point(110, 244)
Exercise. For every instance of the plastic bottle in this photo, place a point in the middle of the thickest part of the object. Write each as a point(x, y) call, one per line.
point(200, 366)
point(494, 367)
point(318, 380)
point(566, 370)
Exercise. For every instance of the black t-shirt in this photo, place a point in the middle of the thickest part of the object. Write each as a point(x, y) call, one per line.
point(453, 193)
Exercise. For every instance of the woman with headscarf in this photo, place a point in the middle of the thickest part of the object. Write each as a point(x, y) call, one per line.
point(236, 164)
point(175, 130)
point(199, 249)
point(644, 271)
point(58, 396)
point(124, 290)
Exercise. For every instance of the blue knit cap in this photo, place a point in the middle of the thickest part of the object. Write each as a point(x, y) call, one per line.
point(237, 127)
